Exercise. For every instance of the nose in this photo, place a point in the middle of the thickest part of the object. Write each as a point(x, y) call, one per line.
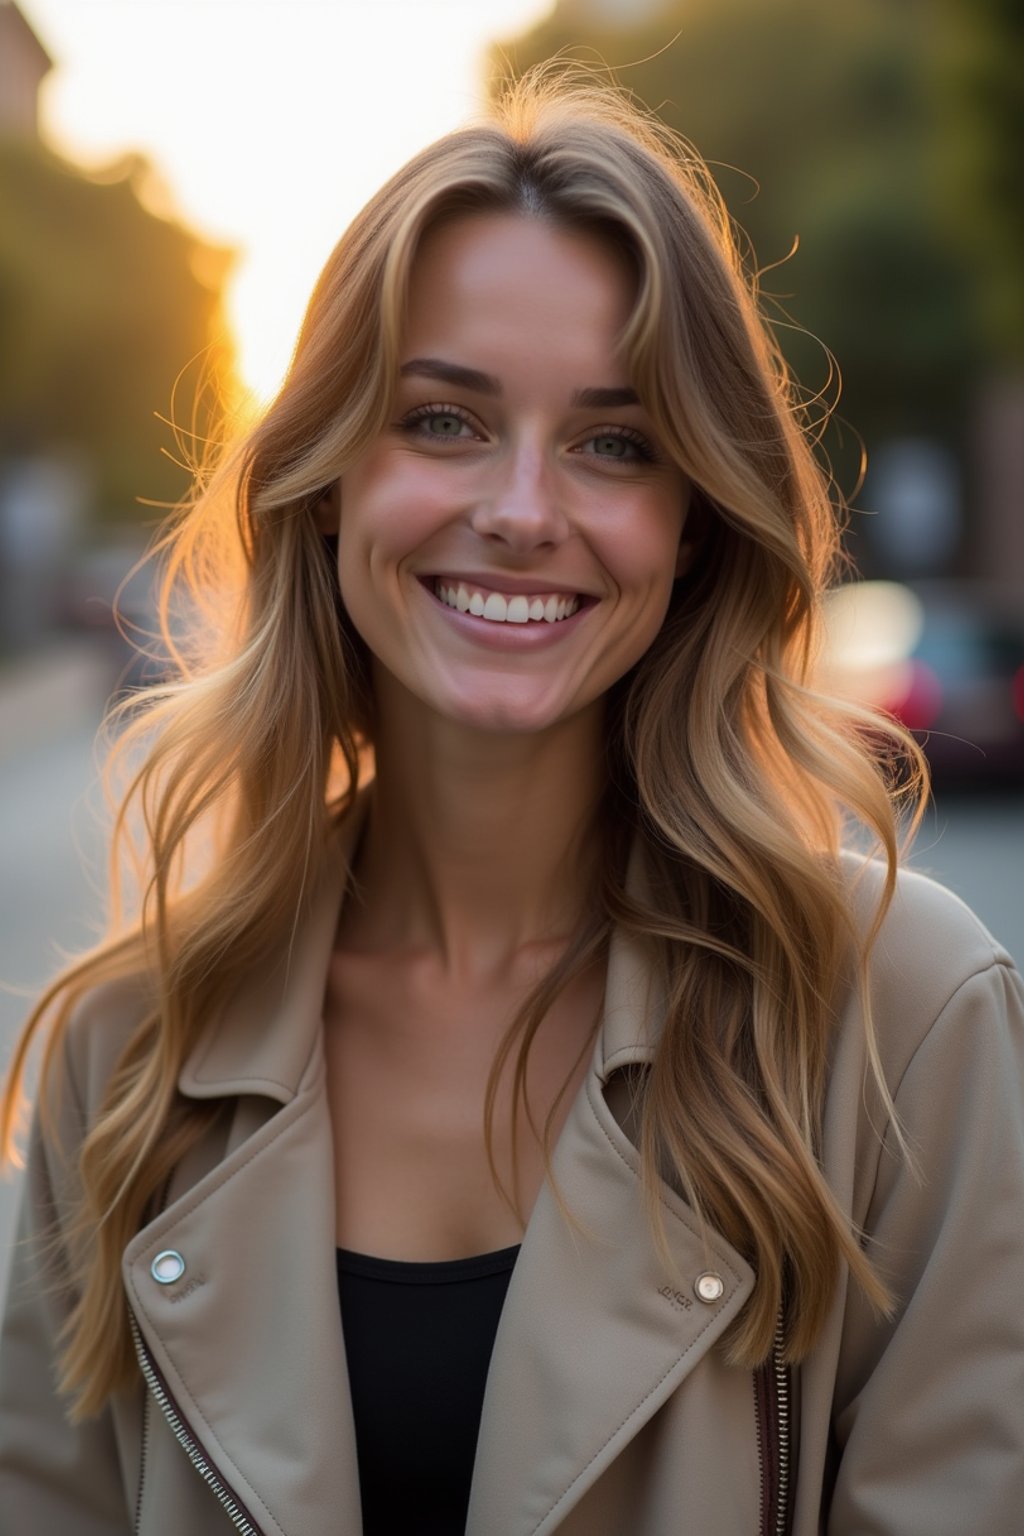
point(521, 508)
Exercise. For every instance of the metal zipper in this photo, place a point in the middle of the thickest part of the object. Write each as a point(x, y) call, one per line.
point(781, 1374)
point(762, 1452)
point(228, 1500)
point(772, 1424)
point(144, 1447)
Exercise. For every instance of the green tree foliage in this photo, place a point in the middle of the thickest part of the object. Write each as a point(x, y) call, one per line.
point(979, 77)
point(103, 305)
point(824, 126)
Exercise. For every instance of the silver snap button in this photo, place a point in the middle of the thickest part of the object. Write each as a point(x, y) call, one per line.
point(167, 1267)
point(709, 1287)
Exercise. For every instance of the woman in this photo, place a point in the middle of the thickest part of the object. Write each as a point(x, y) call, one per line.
point(513, 1112)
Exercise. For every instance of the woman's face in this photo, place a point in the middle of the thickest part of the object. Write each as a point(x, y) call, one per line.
point(507, 545)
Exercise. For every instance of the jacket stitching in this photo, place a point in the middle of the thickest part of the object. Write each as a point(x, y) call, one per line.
point(221, 1082)
point(995, 964)
point(231, 1461)
point(882, 1138)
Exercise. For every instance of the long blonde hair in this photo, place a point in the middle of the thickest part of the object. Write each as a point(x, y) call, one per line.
point(725, 766)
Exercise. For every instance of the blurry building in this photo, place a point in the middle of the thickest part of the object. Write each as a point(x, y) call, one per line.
point(999, 455)
point(24, 65)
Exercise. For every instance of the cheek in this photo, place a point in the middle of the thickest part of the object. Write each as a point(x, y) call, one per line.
point(641, 549)
point(387, 514)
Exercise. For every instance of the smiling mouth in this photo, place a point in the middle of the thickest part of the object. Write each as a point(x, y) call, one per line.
point(505, 608)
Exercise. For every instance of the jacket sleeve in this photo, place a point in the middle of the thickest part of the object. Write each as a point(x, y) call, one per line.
point(54, 1477)
point(929, 1420)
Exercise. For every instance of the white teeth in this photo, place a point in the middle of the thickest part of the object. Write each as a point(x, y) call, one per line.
point(498, 609)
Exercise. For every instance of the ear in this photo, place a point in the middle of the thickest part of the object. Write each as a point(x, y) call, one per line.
point(327, 511)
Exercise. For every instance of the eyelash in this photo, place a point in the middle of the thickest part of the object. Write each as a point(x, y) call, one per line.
point(628, 435)
point(424, 413)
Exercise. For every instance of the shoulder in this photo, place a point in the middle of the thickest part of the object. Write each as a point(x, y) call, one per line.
point(928, 937)
point(932, 959)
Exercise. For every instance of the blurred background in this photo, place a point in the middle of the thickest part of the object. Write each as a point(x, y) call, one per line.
point(173, 175)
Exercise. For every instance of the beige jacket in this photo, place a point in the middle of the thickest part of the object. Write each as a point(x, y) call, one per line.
point(610, 1410)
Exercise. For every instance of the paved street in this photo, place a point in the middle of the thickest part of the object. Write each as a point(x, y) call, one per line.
point(48, 718)
point(46, 904)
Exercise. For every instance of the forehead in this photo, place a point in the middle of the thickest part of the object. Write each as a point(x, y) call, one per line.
point(508, 284)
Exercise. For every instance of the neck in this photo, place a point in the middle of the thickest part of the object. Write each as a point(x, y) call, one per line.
point(476, 847)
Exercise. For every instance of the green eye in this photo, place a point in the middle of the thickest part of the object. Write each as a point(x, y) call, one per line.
point(624, 447)
point(443, 424)
point(611, 447)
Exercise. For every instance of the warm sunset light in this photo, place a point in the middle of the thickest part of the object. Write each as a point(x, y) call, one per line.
point(268, 121)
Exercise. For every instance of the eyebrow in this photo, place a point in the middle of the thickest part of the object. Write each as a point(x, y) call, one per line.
point(452, 373)
point(487, 384)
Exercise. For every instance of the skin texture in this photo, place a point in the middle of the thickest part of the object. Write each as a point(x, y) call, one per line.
point(473, 869)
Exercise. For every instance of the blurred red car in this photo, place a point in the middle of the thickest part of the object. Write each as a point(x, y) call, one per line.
point(947, 660)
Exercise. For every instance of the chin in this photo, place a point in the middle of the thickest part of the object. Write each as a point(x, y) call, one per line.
point(497, 720)
point(506, 716)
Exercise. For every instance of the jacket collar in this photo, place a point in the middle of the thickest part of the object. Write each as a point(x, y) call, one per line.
point(263, 1040)
point(634, 998)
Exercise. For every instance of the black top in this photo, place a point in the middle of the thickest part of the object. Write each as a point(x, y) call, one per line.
point(418, 1338)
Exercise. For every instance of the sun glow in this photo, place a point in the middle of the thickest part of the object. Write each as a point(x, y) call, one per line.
point(269, 122)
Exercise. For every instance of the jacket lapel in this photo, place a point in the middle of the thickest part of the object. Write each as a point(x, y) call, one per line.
point(248, 1341)
point(595, 1334)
